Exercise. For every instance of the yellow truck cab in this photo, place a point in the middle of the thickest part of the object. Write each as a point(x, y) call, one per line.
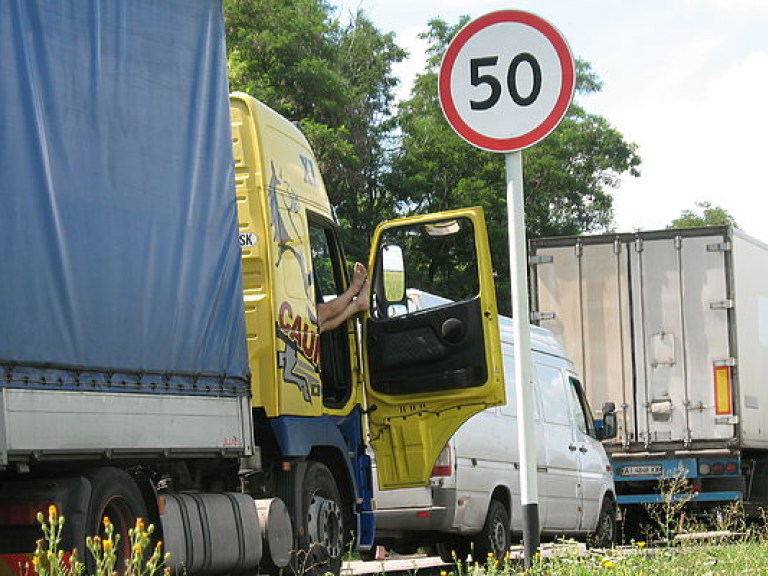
point(404, 382)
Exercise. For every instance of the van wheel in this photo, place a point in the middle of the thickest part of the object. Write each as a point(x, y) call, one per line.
point(606, 531)
point(456, 549)
point(494, 540)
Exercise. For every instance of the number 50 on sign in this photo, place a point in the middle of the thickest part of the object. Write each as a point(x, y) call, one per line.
point(506, 80)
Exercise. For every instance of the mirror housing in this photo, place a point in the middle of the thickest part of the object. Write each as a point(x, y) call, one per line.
point(607, 428)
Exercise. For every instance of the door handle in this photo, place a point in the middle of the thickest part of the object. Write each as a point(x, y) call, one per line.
point(572, 448)
point(583, 449)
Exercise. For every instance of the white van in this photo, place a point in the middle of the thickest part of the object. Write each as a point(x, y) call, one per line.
point(473, 501)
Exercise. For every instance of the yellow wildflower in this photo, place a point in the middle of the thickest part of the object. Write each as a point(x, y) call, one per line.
point(608, 564)
point(107, 545)
point(640, 544)
point(443, 573)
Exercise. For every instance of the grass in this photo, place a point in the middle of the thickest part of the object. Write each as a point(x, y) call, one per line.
point(745, 553)
point(681, 547)
point(747, 556)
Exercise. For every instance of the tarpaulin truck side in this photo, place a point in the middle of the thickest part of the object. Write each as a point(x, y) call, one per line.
point(164, 251)
point(671, 328)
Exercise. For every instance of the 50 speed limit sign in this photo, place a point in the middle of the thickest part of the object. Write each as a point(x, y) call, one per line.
point(506, 80)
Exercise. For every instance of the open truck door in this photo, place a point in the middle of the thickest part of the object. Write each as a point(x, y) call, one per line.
point(432, 339)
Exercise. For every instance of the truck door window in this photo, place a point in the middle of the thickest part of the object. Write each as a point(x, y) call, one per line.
point(327, 271)
point(432, 338)
point(439, 261)
point(582, 415)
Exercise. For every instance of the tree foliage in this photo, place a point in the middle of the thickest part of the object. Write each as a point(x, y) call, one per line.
point(567, 176)
point(337, 80)
point(705, 215)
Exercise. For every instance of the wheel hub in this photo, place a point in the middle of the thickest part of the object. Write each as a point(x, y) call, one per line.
point(324, 525)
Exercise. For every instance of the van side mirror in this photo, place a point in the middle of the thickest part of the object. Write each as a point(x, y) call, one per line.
point(607, 428)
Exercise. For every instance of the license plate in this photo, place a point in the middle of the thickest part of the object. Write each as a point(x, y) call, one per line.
point(642, 470)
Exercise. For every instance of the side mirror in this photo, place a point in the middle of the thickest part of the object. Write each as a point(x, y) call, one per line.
point(393, 272)
point(389, 289)
point(607, 428)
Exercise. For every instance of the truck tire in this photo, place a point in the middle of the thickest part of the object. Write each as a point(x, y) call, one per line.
point(114, 494)
point(606, 531)
point(635, 523)
point(322, 541)
point(454, 549)
point(495, 538)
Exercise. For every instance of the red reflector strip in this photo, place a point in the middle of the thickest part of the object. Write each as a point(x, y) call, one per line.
point(422, 514)
point(14, 564)
point(723, 403)
point(22, 514)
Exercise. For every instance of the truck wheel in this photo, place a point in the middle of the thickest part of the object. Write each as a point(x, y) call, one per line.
point(635, 523)
point(455, 549)
point(323, 538)
point(115, 495)
point(606, 531)
point(494, 540)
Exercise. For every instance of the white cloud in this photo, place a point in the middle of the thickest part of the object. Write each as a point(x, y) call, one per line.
point(703, 146)
point(743, 6)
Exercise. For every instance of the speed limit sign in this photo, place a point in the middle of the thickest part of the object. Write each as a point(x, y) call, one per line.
point(506, 80)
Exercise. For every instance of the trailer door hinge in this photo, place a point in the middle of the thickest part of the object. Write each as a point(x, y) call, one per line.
point(725, 362)
point(539, 316)
point(721, 305)
point(536, 260)
point(719, 247)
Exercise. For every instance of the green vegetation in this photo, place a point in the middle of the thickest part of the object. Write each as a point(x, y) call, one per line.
point(748, 556)
point(106, 550)
point(705, 215)
point(730, 553)
point(334, 74)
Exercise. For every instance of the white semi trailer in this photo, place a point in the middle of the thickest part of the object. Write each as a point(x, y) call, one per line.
point(670, 329)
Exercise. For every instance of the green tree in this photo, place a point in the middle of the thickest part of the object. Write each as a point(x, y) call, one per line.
point(567, 176)
point(336, 79)
point(705, 215)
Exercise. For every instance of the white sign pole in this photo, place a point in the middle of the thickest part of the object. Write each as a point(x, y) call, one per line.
point(518, 268)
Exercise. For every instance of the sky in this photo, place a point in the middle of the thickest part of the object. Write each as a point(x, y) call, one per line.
point(685, 80)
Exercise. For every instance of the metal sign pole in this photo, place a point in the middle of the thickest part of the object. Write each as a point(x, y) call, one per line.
point(518, 267)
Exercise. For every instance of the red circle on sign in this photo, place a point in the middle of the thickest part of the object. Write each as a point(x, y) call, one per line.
point(561, 104)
